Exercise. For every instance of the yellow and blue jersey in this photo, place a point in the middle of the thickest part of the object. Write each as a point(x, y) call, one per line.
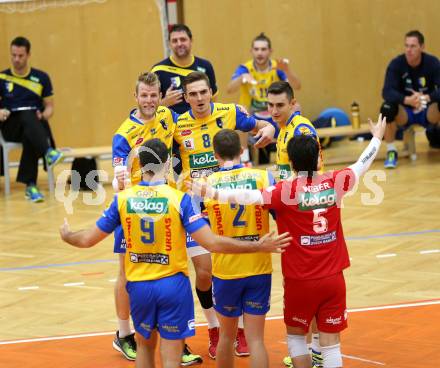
point(133, 132)
point(24, 91)
point(248, 222)
point(155, 219)
point(172, 73)
point(194, 137)
point(252, 96)
point(296, 125)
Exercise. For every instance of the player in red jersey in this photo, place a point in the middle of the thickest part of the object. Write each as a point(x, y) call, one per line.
point(308, 206)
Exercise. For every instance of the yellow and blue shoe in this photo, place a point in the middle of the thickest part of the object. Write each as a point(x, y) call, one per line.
point(391, 160)
point(126, 345)
point(287, 361)
point(317, 360)
point(188, 358)
point(53, 156)
point(33, 194)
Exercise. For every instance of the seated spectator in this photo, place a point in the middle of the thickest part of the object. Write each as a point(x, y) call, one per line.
point(26, 105)
point(411, 92)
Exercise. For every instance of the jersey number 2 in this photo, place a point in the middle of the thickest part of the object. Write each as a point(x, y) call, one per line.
point(237, 222)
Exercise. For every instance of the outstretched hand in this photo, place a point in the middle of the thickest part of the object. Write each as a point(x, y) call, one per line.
point(378, 129)
point(265, 136)
point(274, 243)
point(64, 230)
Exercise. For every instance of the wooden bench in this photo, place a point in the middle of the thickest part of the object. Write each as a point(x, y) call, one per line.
point(349, 131)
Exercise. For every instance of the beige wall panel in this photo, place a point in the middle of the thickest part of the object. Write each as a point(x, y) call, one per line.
point(339, 48)
point(93, 54)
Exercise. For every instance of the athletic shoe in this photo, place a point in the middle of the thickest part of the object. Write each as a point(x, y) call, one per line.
point(188, 358)
point(33, 194)
point(53, 156)
point(391, 160)
point(213, 342)
point(126, 345)
point(241, 348)
point(317, 360)
point(288, 362)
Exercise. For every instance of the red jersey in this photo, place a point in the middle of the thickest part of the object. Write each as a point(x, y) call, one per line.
point(309, 209)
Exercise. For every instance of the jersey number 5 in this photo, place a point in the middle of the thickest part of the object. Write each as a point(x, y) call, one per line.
point(320, 223)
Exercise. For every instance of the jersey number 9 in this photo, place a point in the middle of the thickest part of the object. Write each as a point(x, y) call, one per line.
point(147, 228)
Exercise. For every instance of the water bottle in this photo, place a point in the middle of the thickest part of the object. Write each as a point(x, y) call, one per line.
point(355, 116)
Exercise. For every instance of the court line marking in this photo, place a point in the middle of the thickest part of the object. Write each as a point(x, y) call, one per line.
point(74, 284)
point(354, 310)
point(366, 237)
point(28, 288)
point(430, 251)
point(362, 359)
point(386, 255)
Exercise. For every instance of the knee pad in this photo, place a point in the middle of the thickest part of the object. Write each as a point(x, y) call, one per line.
point(389, 110)
point(331, 356)
point(205, 298)
point(297, 345)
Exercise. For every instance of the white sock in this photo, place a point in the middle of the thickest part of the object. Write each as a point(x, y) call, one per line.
point(391, 147)
point(124, 327)
point(240, 322)
point(245, 155)
point(331, 356)
point(315, 343)
point(297, 345)
point(211, 317)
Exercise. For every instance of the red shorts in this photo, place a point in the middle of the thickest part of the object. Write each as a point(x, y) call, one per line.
point(324, 298)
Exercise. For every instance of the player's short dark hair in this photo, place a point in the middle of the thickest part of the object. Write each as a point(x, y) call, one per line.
point(303, 152)
point(417, 34)
point(180, 28)
point(262, 37)
point(150, 79)
point(227, 144)
point(21, 42)
point(153, 155)
point(277, 88)
point(195, 77)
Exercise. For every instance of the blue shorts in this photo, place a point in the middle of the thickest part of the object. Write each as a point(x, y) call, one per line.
point(166, 304)
point(119, 245)
point(249, 295)
point(416, 118)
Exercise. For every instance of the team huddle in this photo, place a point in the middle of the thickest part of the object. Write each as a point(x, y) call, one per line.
point(183, 190)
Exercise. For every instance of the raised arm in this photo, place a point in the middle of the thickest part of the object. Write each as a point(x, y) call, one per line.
point(292, 77)
point(82, 238)
point(361, 166)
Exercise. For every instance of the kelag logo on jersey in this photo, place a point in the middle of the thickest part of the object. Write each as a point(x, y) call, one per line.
point(311, 201)
point(285, 171)
point(199, 160)
point(241, 184)
point(151, 206)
